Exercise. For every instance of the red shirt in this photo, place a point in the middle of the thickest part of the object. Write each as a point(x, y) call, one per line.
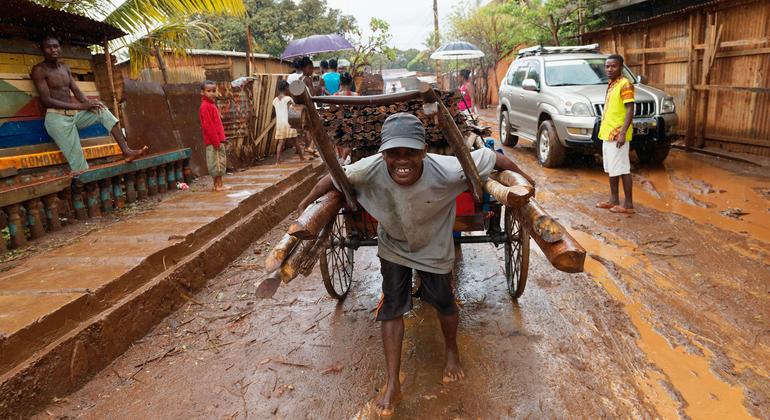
point(211, 124)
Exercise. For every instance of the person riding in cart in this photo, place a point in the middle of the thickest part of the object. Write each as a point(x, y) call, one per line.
point(412, 195)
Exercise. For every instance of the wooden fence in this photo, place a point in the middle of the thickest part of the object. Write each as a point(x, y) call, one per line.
point(714, 60)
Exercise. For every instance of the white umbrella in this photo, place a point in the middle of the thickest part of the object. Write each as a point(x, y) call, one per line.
point(459, 50)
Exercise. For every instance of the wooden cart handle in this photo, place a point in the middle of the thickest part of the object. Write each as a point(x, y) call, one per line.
point(316, 130)
point(455, 138)
point(386, 99)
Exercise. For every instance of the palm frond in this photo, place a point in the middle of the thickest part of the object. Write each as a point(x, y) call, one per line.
point(137, 15)
point(177, 36)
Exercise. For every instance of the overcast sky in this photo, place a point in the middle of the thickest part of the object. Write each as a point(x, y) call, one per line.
point(410, 20)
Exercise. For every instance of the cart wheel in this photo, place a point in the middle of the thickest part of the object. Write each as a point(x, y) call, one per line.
point(337, 263)
point(516, 252)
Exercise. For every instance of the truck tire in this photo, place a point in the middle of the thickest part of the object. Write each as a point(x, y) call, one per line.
point(655, 155)
point(505, 131)
point(550, 152)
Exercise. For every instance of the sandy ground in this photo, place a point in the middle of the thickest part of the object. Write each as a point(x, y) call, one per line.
point(670, 320)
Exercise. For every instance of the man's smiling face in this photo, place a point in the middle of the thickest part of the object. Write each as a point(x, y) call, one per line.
point(404, 164)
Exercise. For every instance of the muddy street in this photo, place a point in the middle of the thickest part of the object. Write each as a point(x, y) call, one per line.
point(670, 320)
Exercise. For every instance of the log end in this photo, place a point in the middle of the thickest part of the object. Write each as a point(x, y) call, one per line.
point(268, 286)
point(300, 232)
point(571, 261)
point(519, 195)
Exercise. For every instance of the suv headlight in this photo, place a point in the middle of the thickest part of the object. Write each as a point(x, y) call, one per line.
point(667, 105)
point(576, 109)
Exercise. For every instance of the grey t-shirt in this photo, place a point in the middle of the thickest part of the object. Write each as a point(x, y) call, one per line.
point(415, 222)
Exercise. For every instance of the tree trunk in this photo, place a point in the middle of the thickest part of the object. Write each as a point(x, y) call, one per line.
point(161, 64)
point(554, 30)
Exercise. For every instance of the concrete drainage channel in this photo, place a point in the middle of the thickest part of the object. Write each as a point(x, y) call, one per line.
point(116, 320)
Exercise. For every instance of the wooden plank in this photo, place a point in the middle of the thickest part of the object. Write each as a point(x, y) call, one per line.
point(739, 140)
point(119, 168)
point(14, 76)
point(47, 147)
point(690, 92)
point(737, 43)
point(28, 86)
point(651, 50)
point(743, 53)
point(37, 190)
point(734, 88)
point(56, 157)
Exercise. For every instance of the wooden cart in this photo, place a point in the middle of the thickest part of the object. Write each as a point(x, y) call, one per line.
point(480, 218)
point(353, 229)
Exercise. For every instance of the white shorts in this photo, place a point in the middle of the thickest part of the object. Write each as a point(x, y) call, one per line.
point(616, 161)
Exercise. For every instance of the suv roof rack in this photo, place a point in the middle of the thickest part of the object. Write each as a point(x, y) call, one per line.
point(540, 50)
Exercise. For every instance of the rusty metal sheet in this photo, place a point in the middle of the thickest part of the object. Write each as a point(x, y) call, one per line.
point(147, 117)
point(184, 101)
point(36, 21)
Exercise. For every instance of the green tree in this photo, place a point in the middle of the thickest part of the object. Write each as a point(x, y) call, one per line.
point(367, 47)
point(491, 28)
point(556, 22)
point(274, 24)
point(411, 59)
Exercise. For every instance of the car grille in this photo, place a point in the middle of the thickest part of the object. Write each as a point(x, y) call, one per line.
point(641, 109)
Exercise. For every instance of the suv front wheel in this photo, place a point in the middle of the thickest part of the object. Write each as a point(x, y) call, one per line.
point(550, 152)
point(505, 131)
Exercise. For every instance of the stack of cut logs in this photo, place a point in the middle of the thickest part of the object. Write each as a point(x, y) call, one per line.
point(360, 126)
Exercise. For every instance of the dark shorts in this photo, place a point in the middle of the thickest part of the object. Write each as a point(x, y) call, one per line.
point(435, 289)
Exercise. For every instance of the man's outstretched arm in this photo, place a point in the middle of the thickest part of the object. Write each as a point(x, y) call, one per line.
point(503, 163)
point(322, 187)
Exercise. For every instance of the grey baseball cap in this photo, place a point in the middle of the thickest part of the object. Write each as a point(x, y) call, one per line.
point(402, 130)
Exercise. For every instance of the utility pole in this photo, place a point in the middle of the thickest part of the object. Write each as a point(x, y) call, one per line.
point(436, 42)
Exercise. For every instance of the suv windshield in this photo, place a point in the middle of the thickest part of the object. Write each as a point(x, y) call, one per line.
point(584, 71)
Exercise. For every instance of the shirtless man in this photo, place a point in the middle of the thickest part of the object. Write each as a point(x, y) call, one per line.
point(64, 116)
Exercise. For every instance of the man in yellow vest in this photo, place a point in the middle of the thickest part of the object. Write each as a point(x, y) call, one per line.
point(615, 132)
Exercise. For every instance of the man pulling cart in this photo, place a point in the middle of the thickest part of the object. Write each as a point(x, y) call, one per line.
point(410, 195)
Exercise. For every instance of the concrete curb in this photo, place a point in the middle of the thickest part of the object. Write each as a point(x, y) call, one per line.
point(69, 361)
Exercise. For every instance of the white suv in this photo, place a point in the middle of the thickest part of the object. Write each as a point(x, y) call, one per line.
point(554, 96)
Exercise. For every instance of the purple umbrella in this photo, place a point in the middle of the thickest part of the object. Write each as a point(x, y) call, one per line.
point(316, 44)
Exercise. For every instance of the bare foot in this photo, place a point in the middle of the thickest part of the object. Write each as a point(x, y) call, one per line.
point(453, 371)
point(223, 188)
point(386, 403)
point(132, 155)
point(606, 205)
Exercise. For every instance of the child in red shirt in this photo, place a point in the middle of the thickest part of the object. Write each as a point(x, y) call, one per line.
point(213, 134)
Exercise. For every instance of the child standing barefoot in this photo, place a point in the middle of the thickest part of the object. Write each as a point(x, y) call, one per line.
point(213, 134)
point(283, 130)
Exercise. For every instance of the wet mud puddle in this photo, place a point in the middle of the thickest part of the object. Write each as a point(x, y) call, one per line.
point(703, 394)
point(680, 380)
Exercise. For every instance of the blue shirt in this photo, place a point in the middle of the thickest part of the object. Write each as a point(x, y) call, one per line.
point(332, 82)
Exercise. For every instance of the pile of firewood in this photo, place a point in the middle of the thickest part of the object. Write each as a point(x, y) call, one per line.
point(360, 126)
point(370, 84)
